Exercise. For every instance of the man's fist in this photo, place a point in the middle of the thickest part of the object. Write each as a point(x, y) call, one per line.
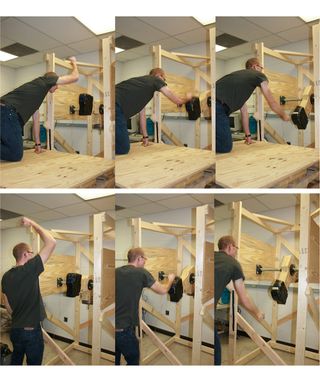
point(171, 277)
point(26, 221)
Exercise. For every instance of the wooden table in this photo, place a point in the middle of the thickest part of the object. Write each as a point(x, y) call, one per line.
point(164, 166)
point(266, 165)
point(54, 169)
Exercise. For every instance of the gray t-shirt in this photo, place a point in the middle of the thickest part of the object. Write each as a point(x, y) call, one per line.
point(130, 281)
point(226, 268)
point(28, 98)
point(21, 286)
point(236, 88)
point(133, 94)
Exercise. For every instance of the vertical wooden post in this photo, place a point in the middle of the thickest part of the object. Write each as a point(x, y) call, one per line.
point(77, 298)
point(201, 213)
point(89, 119)
point(179, 270)
point(212, 37)
point(108, 85)
point(303, 283)
point(98, 220)
point(259, 97)
point(300, 92)
point(50, 58)
point(157, 97)
point(198, 121)
point(236, 233)
point(316, 81)
point(274, 303)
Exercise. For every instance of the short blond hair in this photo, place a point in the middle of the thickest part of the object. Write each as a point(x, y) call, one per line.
point(225, 241)
point(157, 70)
point(19, 249)
point(134, 253)
point(251, 62)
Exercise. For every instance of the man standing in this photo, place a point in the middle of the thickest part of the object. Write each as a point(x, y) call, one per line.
point(232, 92)
point(19, 105)
point(131, 279)
point(20, 286)
point(227, 269)
point(132, 96)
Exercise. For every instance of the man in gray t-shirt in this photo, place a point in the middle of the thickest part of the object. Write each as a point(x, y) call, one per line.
point(227, 269)
point(232, 92)
point(22, 297)
point(131, 279)
point(132, 95)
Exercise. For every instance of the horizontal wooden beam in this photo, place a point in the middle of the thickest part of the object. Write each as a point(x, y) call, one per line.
point(275, 54)
point(173, 57)
point(290, 349)
point(272, 219)
point(249, 357)
point(149, 226)
point(191, 55)
point(293, 53)
point(257, 220)
point(188, 343)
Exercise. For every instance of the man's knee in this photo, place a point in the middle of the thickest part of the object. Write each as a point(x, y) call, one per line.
point(13, 155)
point(224, 148)
point(122, 149)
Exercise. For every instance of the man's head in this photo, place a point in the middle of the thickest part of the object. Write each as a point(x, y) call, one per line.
point(22, 253)
point(50, 74)
point(158, 72)
point(228, 245)
point(136, 257)
point(254, 63)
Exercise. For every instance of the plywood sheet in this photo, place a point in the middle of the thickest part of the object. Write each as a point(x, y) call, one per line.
point(58, 266)
point(208, 272)
point(253, 252)
point(282, 84)
point(107, 278)
point(68, 95)
point(160, 165)
point(262, 165)
point(53, 169)
point(160, 259)
point(314, 253)
point(180, 86)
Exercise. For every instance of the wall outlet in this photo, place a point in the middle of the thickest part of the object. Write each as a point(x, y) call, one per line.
point(167, 312)
point(65, 319)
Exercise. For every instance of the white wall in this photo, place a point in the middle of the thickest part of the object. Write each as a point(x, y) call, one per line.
point(58, 304)
point(151, 239)
point(287, 130)
point(183, 128)
point(259, 291)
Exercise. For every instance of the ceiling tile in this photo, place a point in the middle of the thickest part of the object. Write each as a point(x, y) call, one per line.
point(228, 198)
point(138, 30)
point(180, 201)
point(273, 41)
point(103, 204)
point(194, 36)
point(204, 198)
point(240, 27)
point(76, 209)
point(223, 212)
point(170, 43)
point(20, 32)
point(129, 200)
point(276, 24)
point(278, 201)
point(47, 215)
point(297, 34)
point(127, 213)
point(52, 201)
point(149, 208)
point(157, 197)
point(172, 25)
point(90, 45)
point(19, 205)
point(62, 29)
point(63, 51)
point(5, 41)
point(254, 206)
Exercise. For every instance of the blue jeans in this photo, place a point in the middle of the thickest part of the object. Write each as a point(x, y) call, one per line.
point(10, 135)
point(122, 136)
point(217, 348)
point(29, 343)
point(223, 131)
point(127, 345)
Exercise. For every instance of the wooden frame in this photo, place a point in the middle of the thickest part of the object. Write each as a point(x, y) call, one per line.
point(170, 260)
point(182, 58)
point(106, 90)
point(306, 299)
point(103, 227)
point(298, 60)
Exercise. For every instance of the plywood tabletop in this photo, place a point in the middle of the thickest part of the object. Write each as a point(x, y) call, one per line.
point(52, 169)
point(160, 165)
point(262, 165)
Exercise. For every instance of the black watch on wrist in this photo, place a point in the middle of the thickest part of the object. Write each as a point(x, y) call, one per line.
point(146, 137)
point(248, 136)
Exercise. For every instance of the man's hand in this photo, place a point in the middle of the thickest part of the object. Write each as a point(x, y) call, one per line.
point(260, 315)
point(26, 221)
point(72, 59)
point(285, 117)
point(39, 149)
point(171, 278)
point(248, 140)
point(145, 141)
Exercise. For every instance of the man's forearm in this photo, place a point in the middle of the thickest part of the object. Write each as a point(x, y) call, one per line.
point(36, 127)
point(46, 237)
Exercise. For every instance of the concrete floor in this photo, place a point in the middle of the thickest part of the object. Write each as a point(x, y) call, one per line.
point(245, 345)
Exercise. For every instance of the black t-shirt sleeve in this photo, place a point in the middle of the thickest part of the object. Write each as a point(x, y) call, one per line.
point(158, 83)
point(261, 78)
point(237, 272)
point(51, 80)
point(148, 279)
point(35, 266)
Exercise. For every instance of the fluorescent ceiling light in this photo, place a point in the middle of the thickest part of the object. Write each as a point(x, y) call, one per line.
point(205, 20)
point(219, 48)
point(309, 18)
point(119, 50)
point(91, 195)
point(98, 24)
point(6, 56)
